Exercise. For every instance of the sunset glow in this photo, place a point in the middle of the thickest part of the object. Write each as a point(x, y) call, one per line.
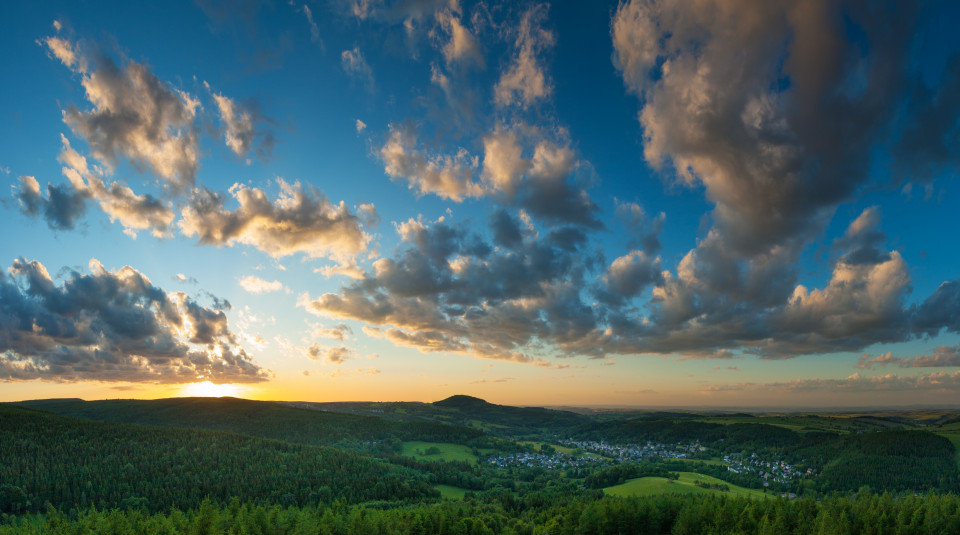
point(207, 389)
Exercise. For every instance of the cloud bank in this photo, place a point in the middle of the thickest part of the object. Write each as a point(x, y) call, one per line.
point(112, 326)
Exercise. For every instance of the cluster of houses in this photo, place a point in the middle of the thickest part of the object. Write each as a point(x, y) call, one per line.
point(769, 471)
point(636, 452)
point(558, 461)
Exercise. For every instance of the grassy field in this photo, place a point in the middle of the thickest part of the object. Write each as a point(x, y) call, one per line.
point(450, 492)
point(448, 452)
point(649, 486)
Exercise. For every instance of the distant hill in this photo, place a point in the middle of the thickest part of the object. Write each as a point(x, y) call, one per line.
point(508, 420)
point(460, 401)
point(256, 418)
point(466, 411)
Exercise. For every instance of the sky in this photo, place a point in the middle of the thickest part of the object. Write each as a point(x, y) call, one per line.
point(713, 203)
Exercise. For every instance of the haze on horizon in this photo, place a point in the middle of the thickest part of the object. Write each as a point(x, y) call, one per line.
point(645, 203)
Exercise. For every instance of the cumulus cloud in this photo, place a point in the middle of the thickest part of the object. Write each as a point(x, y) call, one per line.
point(942, 357)
point(449, 177)
point(331, 355)
point(522, 166)
point(527, 293)
point(61, 208)
point(340, 331)
point(448, 290)
point(524, 81)
point(299, 220)
point(133, 115)
point(628, 276)
point(777, 113)
point(773, 110)
point(65, 205)
point(256, 285)
point(113, 326)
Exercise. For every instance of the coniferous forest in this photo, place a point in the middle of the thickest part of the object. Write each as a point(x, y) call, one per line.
point(465, 466)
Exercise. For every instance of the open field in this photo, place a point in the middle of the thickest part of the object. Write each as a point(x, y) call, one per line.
point(650, 486)
point(450, 492)
point(447, 452)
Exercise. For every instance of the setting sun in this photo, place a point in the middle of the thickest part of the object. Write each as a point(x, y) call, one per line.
point(207, 389)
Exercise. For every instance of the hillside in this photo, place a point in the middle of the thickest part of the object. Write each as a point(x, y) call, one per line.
point(256, 418)
point(70, 462)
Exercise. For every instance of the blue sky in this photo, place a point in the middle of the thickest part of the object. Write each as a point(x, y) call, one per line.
point(643, 203)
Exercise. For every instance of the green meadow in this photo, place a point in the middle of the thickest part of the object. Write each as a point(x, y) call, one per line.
point(686, 484)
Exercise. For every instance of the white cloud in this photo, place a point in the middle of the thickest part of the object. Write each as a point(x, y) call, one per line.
point(299, 220)
point(256, 285)
point(134, 115)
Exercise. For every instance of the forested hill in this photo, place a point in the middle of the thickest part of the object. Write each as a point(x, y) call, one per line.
point(71, 462)
point(521, 419)
point(669, 428)
point(256, 418)
point(468, 411)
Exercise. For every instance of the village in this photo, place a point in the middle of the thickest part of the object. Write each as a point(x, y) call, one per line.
point(636, 452)
point(769, 471)
point(590, 453)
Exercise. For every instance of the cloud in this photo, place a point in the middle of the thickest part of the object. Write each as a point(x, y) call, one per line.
point(942, 357)
point(449, 177)
point(462, 46)
point(65, 205)
point(241, 126)
point(524, 82)
point(64, 50)
point(120, 203)
point(299, 220)
point(134, 115)
point(62, 207)
point(447, 290)
point(628, 276)
point(340, 331)
point(778, 114)
point(331, 355)
point(522, 166)
point(256, 285)
point(357, 68)
point(774, 110)
point(644, 231)
point(937, 382)
point(314, 30)
point(407, 11)
point(113, 326)
point(488, 381)
point(180, 277)
point(361, 126)
point(347, 269)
